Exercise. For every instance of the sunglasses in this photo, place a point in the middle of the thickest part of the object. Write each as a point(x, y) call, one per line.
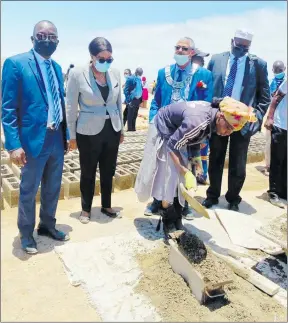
point(45, 37)
point(241, 46)
point(103, 60)
point(182, 47)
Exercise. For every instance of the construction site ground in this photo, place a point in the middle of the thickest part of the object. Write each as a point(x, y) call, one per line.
point(36, 288)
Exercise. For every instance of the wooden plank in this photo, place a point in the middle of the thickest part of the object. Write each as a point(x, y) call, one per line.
point(271, 238)
point(182, 266)
point(250, 275)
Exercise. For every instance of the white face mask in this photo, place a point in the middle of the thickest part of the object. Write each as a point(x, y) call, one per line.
point(181, 59)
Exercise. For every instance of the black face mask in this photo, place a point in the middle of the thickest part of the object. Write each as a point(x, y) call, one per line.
point(45, 48)
point(239, 51)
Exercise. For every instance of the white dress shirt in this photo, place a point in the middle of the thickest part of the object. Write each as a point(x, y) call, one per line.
point(280, 115)
point(41, 61)
point(237, 88)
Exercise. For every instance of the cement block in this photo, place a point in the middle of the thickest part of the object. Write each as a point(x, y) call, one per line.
point(71, 185)
point(133, 171)
point(68, 156)
point(16, 170)
point(5, 158)
point(65, 169)
point(6, 171)
point(75, 155)
point(72, 165)
point(11, 190)
point(123, 179)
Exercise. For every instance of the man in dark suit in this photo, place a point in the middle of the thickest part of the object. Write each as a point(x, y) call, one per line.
point(243, 77)
point(34, 123)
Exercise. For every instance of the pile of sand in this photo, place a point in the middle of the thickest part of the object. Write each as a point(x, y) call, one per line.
point(211, 267)
point(174, 301)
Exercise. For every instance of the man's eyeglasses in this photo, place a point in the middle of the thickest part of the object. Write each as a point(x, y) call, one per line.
point(103, 60)
point(183, 48)
point(45, 37)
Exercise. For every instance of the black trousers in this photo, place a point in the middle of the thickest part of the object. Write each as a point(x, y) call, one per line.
point(125, 115)
point(278, 164)
point(103, 149)
point(237, 165)
point(132, 113)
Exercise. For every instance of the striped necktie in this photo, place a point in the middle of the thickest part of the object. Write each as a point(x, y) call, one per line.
point(55, 96)
point(231, 79)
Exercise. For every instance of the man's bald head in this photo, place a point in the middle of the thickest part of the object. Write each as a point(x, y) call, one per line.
point(45, 38)
point(44, 25)
point(278, 67)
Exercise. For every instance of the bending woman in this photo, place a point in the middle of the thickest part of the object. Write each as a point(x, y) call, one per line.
point(164, 165)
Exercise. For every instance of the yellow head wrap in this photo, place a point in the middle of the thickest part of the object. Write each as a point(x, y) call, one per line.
point(236, 113)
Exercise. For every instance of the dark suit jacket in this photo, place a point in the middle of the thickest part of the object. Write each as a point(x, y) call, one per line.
point(255, 86)
point(25, 104)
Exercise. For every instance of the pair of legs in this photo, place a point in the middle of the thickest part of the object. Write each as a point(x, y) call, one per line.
point(125, 115)
point(132, 113)
point(97, 149)
point(278, 165)
point(237, 168)
point(46, 168)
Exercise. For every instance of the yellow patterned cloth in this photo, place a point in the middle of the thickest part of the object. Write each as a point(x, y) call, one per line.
point(236, 113)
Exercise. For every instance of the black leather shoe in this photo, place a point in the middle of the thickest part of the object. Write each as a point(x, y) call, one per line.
point(111, 214)
point(168, 228)
point(208, 203)
point(233, 207)
point(29, 245)
point(53, 233)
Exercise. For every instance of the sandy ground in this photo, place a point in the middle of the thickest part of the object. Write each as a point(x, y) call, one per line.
point(173, 299)
point(37, 289)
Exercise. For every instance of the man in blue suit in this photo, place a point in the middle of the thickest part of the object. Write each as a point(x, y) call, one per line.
point(244, 77)
point(176, 83)
point(34, 123)
point(133, 97)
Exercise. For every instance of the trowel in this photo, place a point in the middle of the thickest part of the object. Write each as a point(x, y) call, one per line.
point(189, 197)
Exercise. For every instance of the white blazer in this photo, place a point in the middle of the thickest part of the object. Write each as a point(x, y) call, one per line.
point(82, 90)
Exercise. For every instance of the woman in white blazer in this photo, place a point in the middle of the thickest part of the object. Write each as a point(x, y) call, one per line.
point(97, 128)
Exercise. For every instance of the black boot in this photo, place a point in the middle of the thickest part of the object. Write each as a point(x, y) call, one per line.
point(178, 208)
point(169, 216)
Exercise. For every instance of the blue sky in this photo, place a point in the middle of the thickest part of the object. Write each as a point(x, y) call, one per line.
point(113, 14)
point(143, 33)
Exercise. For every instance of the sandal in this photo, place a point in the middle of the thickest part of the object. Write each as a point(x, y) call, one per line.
point(111, 214)
point(84, 219)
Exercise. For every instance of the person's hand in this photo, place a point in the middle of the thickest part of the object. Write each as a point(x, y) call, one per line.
point(18, 157)
point(72, 144)
point(269, 123)
point(121, 138)
point(190, 181)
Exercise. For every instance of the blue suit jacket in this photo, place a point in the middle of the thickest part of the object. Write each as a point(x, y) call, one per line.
point(163, 91)
point(130, 85)
point(255, 86)
point(25, 104)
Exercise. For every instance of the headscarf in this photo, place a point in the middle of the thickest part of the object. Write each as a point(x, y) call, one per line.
point(236, 113)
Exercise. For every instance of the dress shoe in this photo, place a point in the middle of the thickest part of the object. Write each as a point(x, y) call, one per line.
point(208, 203)
point(111, 214)
point(233, 207)
point(29, 245)
point(274, 199)
point(53, 233)
point(84, 219)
